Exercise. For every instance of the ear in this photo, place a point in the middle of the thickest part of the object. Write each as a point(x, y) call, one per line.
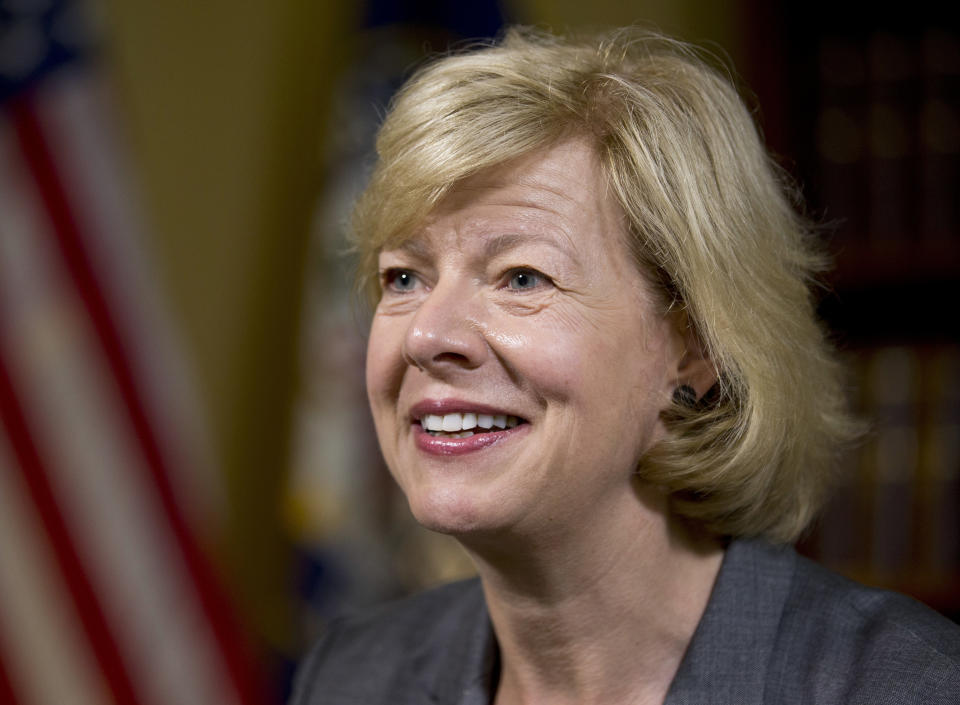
point(694, 366)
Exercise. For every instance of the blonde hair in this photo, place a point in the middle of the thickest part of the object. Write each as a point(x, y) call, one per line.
point(712, 222)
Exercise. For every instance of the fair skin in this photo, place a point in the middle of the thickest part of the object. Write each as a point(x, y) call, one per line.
point(518, 298)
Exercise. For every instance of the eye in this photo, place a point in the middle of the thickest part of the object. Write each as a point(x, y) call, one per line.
point(525, 279)
point(399, 280)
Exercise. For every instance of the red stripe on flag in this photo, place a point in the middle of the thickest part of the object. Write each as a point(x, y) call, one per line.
point(7, 696)
point(71, 567)
point(213, 598)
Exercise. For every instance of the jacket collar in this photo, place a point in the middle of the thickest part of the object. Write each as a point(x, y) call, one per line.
point(726, 661)
point(465, 673)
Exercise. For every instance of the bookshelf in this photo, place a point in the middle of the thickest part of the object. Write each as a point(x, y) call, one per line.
point(863, 106)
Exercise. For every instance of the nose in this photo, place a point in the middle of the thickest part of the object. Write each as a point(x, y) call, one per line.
point(445, 335)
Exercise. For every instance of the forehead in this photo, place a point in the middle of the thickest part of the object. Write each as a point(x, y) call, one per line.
point(558, 191)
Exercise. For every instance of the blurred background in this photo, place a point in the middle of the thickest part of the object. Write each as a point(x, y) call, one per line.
point(189, 481)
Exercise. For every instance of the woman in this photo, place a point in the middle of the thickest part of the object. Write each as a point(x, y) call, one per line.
point(594, 361)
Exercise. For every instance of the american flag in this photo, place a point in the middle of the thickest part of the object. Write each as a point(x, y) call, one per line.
point(107, 595)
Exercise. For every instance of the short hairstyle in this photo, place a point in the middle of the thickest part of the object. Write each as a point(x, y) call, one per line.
point(713, 222)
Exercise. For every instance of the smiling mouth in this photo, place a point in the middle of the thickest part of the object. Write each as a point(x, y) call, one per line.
point(465, 425)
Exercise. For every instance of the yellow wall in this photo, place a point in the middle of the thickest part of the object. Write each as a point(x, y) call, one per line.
point(700, 21)
point(224, 103)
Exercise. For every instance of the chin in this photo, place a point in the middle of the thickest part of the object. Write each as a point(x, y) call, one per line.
point(449, 512)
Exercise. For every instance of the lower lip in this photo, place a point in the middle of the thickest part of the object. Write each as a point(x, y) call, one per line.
point(438, 445)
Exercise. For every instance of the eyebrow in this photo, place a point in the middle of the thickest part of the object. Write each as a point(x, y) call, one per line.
point(508, 241)
point(495, 245)
point(414, 247)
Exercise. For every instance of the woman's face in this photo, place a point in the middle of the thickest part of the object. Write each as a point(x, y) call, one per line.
point(517, 362)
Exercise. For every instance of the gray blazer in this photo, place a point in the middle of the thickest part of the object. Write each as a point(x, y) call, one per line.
point(778, 629)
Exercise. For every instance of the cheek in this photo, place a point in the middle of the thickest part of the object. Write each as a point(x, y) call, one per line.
point(384, 363)
point(615, 373)
point(544, 355)
point(569, 368)
point(384, 374)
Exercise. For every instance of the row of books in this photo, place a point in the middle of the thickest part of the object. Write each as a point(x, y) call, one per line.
point(888, 144)
point(895, 518)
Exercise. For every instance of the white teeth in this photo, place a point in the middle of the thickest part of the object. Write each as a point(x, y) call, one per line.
point(456, 422)
point(452, 422)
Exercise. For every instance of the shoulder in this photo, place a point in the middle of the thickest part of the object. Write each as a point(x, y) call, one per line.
point(390, 653)
point(859, 644)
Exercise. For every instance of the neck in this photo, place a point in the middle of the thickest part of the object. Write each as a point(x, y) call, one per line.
point(602, 611)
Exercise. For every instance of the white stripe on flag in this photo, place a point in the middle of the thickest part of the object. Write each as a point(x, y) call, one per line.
point(74, 108)
point(114, 516)
point(43, 645)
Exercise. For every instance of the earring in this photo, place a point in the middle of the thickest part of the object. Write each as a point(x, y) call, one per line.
point(685, 395)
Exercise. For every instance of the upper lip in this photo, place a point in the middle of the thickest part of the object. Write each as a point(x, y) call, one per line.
point(440, 407)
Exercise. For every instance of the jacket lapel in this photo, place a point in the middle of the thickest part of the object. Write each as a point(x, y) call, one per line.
point(464, 670)
point(726, 661)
